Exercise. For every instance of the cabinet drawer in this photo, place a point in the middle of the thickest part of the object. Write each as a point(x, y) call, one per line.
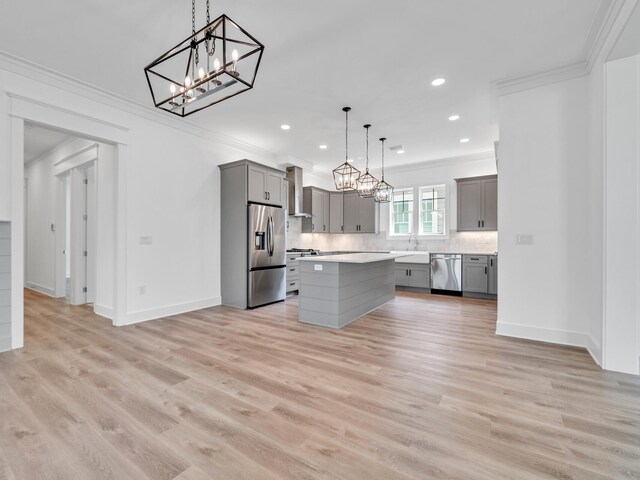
point(292, 258)
point(293, 284)
point(293, 269)
point(483, 259)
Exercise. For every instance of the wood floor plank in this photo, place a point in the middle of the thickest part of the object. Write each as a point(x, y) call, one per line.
point(421, 388)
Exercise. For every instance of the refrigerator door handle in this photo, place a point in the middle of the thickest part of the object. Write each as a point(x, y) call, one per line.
point(270, 240)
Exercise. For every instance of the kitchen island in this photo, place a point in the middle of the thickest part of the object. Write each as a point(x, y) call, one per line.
point(335, 290)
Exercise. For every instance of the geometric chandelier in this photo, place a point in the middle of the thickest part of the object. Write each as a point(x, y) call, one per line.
point(383, 192)
point(345, 175)
point(213, 64)
point(367, 183)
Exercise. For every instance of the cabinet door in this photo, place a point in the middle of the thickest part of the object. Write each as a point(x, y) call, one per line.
point(493, 275)
point(474, 278)
point(367, 215)
point(402, 276)
point(469, 206)
point(335, 213)
point(316, 211)
point(350, 212)
point(274, 188)
point(257, 191)
point(419, 278)
point(490, 204)
point(326, 207)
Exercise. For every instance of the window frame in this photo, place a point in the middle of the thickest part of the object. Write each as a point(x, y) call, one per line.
point(412, 213)
point(445, 210)
point(416, 226)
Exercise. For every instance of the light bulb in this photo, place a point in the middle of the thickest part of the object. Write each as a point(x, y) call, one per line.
point(187, 81)
point(216, 64)
point(172, 88)
point(201, 73)
point(234, 55)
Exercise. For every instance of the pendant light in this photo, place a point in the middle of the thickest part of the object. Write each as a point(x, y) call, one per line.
point(383, 192)
point(367, 182)
point(213, 64)
point(346, 175)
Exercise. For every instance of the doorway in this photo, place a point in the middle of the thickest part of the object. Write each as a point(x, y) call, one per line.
point(60, 214)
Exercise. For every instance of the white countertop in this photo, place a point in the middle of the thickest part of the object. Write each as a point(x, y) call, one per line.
point(353, 258)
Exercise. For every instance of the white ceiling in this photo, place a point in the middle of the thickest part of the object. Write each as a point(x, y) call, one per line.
point(629, 42)
point(39, 140)
point(376, 56)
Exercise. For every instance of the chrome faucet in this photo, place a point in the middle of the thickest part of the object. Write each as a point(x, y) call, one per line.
point(415, 241)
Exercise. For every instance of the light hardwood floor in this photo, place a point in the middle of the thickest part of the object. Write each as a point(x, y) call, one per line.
point(420, 389)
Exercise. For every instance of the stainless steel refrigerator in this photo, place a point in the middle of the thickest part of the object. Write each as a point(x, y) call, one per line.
point(267, 255)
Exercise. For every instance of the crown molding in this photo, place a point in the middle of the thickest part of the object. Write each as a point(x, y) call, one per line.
point(21, 66)
point(606, 24)
point(444, 162)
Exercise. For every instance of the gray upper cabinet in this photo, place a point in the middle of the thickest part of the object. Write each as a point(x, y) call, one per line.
point(493, 274)
point(317, 202)
point(265, 185)
point(361, 215)
point(336, 213)
point(478, 204)
point(350, 212)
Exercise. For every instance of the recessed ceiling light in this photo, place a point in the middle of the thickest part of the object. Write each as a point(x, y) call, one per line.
point(453, 118)
point(400, 152)
point(464, 140)
point(438, 81)
point(322, 147)
point(285, 127)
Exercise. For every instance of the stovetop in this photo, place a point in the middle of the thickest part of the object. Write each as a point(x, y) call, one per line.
point(304, 251)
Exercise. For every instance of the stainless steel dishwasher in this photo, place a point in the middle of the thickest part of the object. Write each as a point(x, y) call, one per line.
point(446, 272)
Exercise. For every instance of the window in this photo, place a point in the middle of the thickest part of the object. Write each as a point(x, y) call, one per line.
point(432, 210)
point(402, 212)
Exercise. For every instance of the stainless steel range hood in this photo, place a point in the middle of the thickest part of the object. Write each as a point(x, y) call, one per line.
point(294, 175)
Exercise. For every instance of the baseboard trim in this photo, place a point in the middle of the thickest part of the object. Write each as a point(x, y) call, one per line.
point(106, 312)
point(5, 344)
point(40, 288)
point(560, 337)
point(155, 313)
point(595, 350)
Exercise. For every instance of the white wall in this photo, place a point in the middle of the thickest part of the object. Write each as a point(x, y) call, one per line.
point(548, 290)
point(170, 191)
point(622, 217)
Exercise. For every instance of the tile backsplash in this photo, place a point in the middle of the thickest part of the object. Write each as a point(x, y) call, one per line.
point(458, 242)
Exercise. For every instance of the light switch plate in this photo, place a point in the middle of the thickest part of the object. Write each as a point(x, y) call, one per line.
point(317, 267)
point(524, 239)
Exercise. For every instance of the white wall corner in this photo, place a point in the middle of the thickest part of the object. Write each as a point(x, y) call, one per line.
point(169, 310)
point(526, 332)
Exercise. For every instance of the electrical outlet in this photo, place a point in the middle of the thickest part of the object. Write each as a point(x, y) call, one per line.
point(143, 289)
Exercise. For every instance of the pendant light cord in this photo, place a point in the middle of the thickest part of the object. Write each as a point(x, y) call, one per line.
point(346, 136)
point(193, 30)
point(382, 140)
point(367, 155)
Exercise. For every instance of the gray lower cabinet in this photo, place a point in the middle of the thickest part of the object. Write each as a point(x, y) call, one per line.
point(493, 274)
point(416, 275)
point(361, 215)
point(5, 286)
point(293, 273)
point(477, 204)
point(336, 213)
point(475, 273)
